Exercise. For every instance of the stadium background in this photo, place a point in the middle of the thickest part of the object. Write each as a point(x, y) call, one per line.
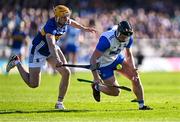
point(156, 26)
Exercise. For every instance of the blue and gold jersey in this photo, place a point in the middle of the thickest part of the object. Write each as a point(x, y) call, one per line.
point(18, 39)
point(51, 27)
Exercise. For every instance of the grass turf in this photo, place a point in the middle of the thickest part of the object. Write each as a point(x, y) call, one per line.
point(20, 103)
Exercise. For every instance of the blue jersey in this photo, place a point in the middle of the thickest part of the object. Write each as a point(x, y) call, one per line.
point(18, 38)
point(72, 35)
point(40, 43)
point(111, 47)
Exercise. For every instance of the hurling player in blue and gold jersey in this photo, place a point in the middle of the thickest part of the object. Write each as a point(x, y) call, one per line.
point(108, 54)
point(44, 49)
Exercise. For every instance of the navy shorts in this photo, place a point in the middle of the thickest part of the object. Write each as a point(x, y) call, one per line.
point(71, 48)
point(108, 71)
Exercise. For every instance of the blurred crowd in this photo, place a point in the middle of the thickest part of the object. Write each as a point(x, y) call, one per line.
point(150, 24)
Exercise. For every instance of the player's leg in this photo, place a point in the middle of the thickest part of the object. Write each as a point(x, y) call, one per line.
point(112, 91)
point(133, 76)
point(72, 54)
point(138, 90)
point(107, 75)
point(64, 83)
point(71, 59)
point(31, 78)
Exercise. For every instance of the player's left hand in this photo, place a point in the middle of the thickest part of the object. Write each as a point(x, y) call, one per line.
point(59, 64)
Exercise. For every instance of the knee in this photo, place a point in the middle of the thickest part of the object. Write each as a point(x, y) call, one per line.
point(66, 72)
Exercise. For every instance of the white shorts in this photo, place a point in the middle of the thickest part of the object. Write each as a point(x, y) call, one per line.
point(36, 60)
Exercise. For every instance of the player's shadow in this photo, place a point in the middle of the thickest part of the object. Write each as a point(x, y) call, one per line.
point(39, 111)
point(57, 111)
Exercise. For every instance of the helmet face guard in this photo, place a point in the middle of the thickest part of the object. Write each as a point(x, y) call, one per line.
point(125, 28)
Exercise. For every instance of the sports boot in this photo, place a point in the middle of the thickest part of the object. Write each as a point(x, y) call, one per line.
point(11, 62)
point(96, 93)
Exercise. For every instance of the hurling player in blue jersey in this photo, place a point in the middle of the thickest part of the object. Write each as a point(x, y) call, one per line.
point(109, 54)
point(18, 41)
point(72, 45)
point(44, 49)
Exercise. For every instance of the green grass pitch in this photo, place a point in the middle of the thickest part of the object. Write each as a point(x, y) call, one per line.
point(19, 103)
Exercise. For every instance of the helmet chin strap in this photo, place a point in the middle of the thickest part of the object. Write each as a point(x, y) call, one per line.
point(117, 34)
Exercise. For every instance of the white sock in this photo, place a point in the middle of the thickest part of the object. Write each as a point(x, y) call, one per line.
point(58, 102)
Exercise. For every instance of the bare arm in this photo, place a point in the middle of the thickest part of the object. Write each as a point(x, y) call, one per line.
point(79, 26)
point(96, 54)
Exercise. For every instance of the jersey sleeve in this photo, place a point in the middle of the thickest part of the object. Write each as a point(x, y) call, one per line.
point(50, 27)
point(103, 44)
point(130, 42)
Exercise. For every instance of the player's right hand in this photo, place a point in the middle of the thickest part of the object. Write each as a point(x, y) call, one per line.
point(59, 63)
